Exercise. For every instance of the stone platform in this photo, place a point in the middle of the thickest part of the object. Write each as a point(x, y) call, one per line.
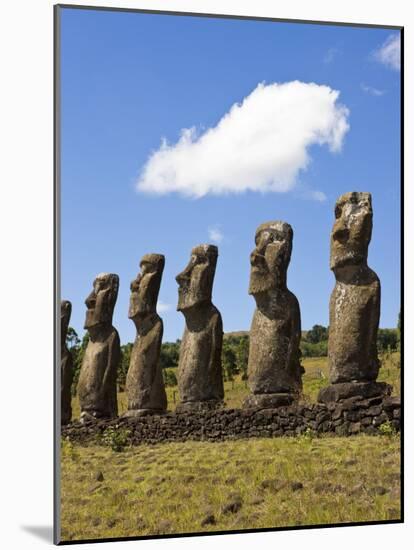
point(348, 417)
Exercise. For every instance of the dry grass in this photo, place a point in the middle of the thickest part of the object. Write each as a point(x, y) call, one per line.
point(243, 484)
point(316, 377)
point(264, 483)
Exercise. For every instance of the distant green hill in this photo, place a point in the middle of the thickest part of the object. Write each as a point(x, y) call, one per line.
point(239, 333)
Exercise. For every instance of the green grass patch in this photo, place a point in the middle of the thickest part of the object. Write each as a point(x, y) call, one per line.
point(242, 484)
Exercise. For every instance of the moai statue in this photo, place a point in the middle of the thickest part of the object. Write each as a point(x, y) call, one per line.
point(66, 364)
point(97, 378)
point(354, 308)
point(274, 370)
point(200, 380)
point(144, 382)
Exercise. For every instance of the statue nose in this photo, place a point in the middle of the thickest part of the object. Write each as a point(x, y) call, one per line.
point(340, 233)
point(134, 286)
point(255, 257)
point(184, 276)
point(90, 300)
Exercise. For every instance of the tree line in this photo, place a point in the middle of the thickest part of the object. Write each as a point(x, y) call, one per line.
point(235, 352)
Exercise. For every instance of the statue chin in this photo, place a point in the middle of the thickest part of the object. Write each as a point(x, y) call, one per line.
point(139, 312)
point(260, 285)
point(190, 302)
point(347, 260)
point(186, 306)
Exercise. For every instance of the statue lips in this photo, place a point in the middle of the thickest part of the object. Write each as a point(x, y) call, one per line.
point(90, 303)
point(184, 281)
point(133, 306)
point(135, 301)
point(257, 261)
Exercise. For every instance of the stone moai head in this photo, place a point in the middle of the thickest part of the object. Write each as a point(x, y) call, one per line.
point(146, 286)
point(195, 283)
point(352, 230)
point(270, 259)
point(65, 312)
point(101, 301)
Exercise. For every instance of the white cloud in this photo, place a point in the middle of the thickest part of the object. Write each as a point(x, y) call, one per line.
point(215, 234)
point(261, 144)
point(163, 307)
point(371, 90)
point(318, 196)
point(390, 52)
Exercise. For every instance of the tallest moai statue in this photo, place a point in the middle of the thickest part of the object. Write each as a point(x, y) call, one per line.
point(354, 308)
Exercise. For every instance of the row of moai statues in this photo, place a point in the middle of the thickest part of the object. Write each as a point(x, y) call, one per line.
point(274, 368)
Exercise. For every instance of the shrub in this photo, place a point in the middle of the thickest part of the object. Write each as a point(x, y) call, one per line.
point(170, 379)
point(308, 435)
point(116, 438)
point(387, 429)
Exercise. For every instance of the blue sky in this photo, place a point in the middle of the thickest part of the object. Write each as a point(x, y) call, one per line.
point(129, 80)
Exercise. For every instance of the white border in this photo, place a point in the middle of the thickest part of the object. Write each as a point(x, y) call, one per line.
point(26, 46)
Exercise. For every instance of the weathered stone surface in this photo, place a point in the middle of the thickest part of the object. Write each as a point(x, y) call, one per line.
point(346, 390)
point(144, 382)
point(354, 308)
point(274, 357)
point(268, 400)
point(200, 380)
point(230, 424)
point(97, 378)
point(66, 364)
point(392, 402)
point(197, 406)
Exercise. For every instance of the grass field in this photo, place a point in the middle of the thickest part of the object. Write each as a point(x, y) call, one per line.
point(244, 484)
point(232, 485)
point(316, 377)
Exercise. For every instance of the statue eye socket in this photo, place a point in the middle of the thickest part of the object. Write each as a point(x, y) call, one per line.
point(338, 212)
point(275, 238)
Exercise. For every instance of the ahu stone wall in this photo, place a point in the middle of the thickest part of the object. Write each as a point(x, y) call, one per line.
point(351, 416)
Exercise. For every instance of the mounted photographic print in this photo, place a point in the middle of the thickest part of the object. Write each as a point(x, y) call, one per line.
point(228, 291)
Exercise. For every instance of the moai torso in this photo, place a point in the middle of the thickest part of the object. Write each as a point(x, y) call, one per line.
point(354, 309)
point(66, 365)
point(354, 316)
point(274, 355)
point(200, 377)
point(144, 383)
point(97, 378)
point(199, 369)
